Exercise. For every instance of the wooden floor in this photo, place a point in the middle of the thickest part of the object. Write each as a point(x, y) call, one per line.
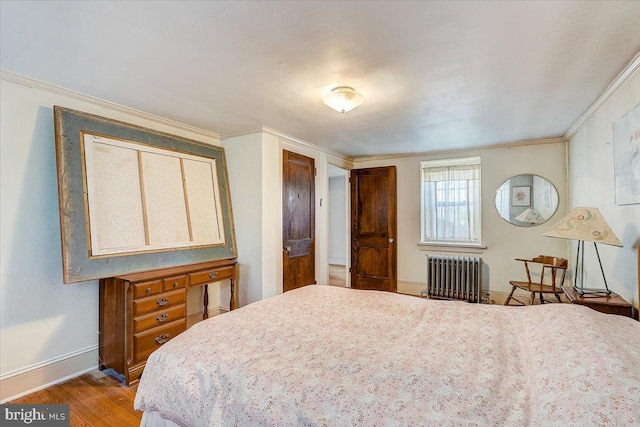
point(337, 275)
point(94, 399)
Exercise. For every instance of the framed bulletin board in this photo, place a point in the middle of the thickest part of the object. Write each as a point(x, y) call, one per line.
point(133, 199)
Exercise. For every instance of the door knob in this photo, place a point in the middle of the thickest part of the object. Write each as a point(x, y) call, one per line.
point(287, 249)
point(391, 240)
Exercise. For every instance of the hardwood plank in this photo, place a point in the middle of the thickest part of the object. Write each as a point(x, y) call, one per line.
point(94, 399)
point(337, 275)
point(107, 412)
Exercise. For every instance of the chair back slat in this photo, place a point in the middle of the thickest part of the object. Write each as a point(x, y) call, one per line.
point(551, 261)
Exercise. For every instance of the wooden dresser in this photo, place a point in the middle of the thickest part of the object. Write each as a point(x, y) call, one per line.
point(140, 312)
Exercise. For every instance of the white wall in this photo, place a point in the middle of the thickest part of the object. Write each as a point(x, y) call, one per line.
point(244, 165)
point(337, 220)
point(591, 184)
point(44, 323)
point(272, 215)
point(504, 241)
point(255, 164)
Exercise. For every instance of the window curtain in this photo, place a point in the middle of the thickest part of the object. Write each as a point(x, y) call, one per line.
point(545, 198)
point(503, 202)
point(452, 203)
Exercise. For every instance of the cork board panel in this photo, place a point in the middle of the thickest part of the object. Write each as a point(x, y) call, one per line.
point(205, 211)
point(114, 198)
point(78, 262)
point(165, 200)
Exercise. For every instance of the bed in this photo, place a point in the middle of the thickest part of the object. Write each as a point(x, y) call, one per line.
point(328, 356)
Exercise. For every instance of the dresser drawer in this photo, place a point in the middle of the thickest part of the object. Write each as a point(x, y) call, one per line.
point(158, 318)
point(176, 282)
point(209, 276)
point(145, 343)
point(158, 302)
point(134, 373)
point(145, 289)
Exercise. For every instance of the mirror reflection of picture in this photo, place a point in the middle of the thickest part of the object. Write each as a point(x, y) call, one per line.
point(521, 196)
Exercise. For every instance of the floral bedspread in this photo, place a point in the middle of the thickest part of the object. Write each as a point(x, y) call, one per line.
point(327, 356)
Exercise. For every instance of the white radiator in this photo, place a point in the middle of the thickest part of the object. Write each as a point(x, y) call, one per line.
point(454, 277)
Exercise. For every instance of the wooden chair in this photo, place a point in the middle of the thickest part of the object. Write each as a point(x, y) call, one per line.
point(558, 267)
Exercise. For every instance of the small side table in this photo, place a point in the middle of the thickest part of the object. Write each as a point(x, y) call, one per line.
point(612, 304)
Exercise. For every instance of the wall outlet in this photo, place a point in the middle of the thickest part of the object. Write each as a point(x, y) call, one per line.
point(486, 299)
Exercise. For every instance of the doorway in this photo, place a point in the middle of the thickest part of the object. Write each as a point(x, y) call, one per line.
point(338, 217)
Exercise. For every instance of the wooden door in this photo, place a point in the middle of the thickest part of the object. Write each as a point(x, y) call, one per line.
point(298, 222)
point(373, 229)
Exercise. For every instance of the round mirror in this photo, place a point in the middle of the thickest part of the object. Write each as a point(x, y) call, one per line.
point(526, 200)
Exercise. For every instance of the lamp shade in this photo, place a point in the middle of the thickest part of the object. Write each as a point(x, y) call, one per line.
point(532, 216)
point(586, 224)
point(343, 99)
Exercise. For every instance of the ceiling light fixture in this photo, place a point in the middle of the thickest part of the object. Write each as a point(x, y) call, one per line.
point(343, 99)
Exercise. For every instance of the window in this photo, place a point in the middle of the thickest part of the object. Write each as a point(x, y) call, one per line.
point(450, 201)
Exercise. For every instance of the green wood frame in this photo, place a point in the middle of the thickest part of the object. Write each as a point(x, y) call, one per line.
point(77, 264)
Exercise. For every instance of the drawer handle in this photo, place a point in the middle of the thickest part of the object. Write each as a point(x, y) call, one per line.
point(162, 339)
point(175, 284)
point(162, 301)
point(147, 291)
point(162, 317)
point(213, 275)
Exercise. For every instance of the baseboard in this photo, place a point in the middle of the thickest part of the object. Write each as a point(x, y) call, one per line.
point(495, 297)
point(21, 382)
point(410, 288)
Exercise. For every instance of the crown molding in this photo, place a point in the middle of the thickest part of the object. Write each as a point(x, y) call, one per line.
point(58, 90)
point(307, 144)
point(557, 140)
point(289, 138)
point(244, 132)
point(626, 73)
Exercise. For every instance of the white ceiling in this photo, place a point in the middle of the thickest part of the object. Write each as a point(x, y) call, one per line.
point(435, 75)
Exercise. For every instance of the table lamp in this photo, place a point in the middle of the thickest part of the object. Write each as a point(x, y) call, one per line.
point(585, 225)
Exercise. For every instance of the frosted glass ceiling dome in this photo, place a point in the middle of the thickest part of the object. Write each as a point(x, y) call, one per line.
point(343, 99)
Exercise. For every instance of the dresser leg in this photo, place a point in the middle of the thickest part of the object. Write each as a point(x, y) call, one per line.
point(233, 303)
point(205, 308)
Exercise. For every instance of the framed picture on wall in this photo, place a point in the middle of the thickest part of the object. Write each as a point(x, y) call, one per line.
point(521, 196)
point(135, 199)
point(626, 157)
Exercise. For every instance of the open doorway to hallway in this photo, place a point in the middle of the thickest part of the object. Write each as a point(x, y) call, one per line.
point(339, 245)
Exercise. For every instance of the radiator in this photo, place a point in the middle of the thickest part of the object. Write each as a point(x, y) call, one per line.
point(453, 277)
